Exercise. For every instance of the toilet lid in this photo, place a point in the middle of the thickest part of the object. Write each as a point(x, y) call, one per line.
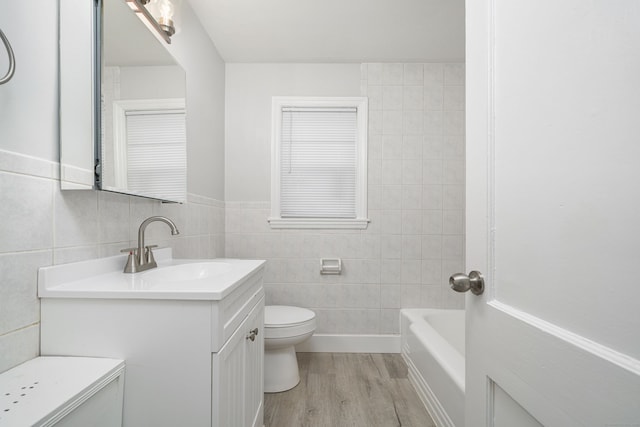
point(277, 316)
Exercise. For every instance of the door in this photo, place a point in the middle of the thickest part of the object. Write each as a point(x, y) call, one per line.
point(553, 212)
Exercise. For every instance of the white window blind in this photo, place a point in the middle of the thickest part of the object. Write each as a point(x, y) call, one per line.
point(318, 162)
point(156, 157)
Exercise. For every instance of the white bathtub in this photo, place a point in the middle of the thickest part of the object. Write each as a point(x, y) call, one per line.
point(433, 347)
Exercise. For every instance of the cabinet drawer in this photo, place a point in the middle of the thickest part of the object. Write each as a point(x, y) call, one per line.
point(229, 313)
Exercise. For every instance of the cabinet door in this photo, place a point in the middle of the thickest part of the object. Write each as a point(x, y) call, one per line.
point(228, 373)
point(254, 363)
point(238, 376)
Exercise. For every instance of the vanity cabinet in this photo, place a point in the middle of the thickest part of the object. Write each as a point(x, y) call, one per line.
point(189, 357)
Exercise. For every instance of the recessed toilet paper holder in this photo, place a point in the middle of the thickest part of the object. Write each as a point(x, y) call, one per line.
point(330, 266)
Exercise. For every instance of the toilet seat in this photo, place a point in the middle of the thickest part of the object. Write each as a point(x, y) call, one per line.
point(281, 321)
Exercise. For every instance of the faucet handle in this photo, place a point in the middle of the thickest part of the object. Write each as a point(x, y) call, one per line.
point(149, 255)
point(132, 265)
point(129, 250)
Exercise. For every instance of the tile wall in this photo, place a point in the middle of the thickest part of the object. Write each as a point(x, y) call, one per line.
point(416, 205)
point(42, 225)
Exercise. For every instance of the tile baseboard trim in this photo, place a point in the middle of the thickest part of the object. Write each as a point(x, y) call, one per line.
point(339, 343)
point(28, 165)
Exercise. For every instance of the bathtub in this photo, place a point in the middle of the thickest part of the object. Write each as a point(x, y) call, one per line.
point(433, 347)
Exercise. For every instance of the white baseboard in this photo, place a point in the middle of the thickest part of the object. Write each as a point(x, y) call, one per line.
point(335, 343)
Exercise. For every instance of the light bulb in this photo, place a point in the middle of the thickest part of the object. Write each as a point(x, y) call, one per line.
point(166, 9)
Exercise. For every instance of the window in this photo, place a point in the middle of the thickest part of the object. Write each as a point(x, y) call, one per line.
point(319, 163)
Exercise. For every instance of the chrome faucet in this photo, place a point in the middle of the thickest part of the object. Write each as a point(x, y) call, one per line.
point(141, 258)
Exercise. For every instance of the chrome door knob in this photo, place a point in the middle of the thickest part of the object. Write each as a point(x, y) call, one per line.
point(460, 282)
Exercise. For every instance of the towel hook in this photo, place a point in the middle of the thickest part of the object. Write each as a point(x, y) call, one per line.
point(12, 60)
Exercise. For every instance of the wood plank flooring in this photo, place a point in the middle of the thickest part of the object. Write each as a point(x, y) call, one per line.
point(347, 389)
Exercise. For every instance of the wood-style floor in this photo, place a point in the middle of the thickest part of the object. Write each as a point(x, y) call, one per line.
point(347, 389)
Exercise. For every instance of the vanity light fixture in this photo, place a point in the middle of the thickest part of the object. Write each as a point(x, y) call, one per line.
point(138, 6)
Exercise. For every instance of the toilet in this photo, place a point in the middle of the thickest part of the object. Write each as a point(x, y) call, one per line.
point(284, 327)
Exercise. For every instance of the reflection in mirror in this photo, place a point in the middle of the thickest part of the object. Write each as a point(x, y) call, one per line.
point(142, 145)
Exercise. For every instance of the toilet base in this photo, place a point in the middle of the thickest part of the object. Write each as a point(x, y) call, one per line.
point(281, 369)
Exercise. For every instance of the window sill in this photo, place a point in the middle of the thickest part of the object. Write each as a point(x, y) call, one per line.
point(319, 223)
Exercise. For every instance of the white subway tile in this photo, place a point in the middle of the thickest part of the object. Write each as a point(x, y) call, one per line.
point(391, 122)
point(392, 97)
point(411, 172)
point(18, 292)
point(452, 247)
point(371, 247)
point(453, 123)
point(375, 97)
point(432, 196)
point(453, 197)
point(391, 245)
point(392, 74)
point(431, 271)
point(375, 147)
point(412, 146)
point(19, 346)
point(431, 171)
point(432, 246)
point(413, 123)
point(411, 197)
point(374, 74)
point(411, 222)
point(374, 197)
point(431, 296)
point(391, 197)
point(391, 296)
point(433, 74)
point(433, 122)
point(433, 98)
point(453, 171)
point(26, 212)
point(75, 218)
point(411, 297)
point(413, 98)
point(454, 98)
point(433, 146)
point(374, 171)
point(413, 74)
point(453, 146)
point(113, 217)
point(432, 222)
point(392, 146)
point(390, 271)
point(453, 222)
point(411, 247)
point(79, 253)
point(375, 122)
point(392, 171)
point(454, 74)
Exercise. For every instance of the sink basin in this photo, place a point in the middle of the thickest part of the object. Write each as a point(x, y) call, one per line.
point(187, 272)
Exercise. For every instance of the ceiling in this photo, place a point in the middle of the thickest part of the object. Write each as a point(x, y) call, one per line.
point(334, 30)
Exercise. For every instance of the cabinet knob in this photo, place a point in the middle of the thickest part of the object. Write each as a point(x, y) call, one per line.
point(252, 334)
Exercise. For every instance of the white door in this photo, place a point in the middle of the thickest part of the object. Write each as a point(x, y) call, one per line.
point(553, 212)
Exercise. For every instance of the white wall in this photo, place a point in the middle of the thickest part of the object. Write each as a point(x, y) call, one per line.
point(42, 225)
point(249, 88)
point(205, 70)
point(416, 193)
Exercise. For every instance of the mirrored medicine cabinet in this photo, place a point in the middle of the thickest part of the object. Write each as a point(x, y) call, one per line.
point(122, 104)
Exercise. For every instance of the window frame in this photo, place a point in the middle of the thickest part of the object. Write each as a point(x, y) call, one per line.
point(361, 104)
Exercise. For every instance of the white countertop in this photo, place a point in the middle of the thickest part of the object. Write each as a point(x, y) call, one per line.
point(204, 279)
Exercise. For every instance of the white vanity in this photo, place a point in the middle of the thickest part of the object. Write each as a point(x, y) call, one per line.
point(190, 331)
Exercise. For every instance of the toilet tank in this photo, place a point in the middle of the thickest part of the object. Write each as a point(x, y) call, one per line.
point(63, 391)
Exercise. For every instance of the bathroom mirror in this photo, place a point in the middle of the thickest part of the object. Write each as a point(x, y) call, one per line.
point(142, 143)
point(122, 104)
